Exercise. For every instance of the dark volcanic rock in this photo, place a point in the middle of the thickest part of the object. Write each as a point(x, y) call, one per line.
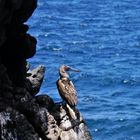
point(24, 116)
point(15, 125)
point(15, 44)
point(12, 15)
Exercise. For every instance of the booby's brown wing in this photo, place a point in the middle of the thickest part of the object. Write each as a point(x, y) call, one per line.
point(67, 91)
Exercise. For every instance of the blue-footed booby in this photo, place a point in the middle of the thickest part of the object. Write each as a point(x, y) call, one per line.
point(67, 90)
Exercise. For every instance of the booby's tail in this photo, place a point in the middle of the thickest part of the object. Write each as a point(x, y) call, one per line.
point(74, 113)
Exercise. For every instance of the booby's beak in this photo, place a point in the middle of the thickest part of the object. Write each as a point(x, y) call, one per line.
point(73, 69)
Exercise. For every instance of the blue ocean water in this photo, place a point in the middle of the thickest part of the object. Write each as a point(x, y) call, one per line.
point(102, 39)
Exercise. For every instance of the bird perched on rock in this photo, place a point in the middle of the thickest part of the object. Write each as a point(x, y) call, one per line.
point(67, 90)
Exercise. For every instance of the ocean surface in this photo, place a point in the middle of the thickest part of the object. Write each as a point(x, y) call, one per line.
point(102, 39)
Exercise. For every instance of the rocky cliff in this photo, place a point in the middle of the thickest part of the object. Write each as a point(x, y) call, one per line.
point(24, 116)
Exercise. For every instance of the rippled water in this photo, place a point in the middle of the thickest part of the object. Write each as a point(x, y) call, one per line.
point(102, 39)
